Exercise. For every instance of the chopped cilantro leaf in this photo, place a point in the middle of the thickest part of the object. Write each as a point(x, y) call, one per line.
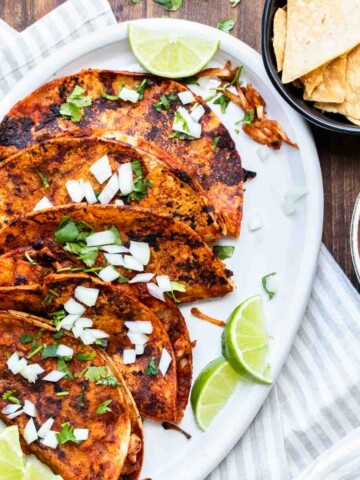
point(66, 231)
point(141, 88)
point(66, 434)
point(108, 96)
point(141, 184)
point(104, 407)
point(85, 357)
point(109, 380)
point(62, 366)
point(49, 351)
point(181, 136)
point(26, 339)
point(8, 395)
point(223, 101)
point(265, 287)
point(43, 178)
point(122, 279)
point(190, 81)
point(214, 143)
point(152, 368)
point(80, 399)
point(94, 374)
point(226, 25)
point(223, 251)
point(74, 103)
point(165, 102)
point(58, 334)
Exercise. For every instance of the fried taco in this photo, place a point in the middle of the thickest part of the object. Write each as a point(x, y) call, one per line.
point(117, 244)
point(72, 408)
point(57, 168)
point(80, 103)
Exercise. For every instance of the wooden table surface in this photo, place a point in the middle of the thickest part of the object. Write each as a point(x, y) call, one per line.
point(339, 154)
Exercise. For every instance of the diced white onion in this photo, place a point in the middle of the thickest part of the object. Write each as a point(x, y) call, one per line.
point(87, 338)
point(164, 283)
point(98, 334)
point(73, 307)
point(194, 129)
point(50, 440)
point(165, 361)
point(139, 349)
point(119, 202)
point(54, 376)
point(129, 356)
point(128, 95)
point(142, 278)
point(31, 372)
point(126, 181)
point(84, 323)
point(77, 331)
point(115, 259)
point(75, 190)
point(110, 190)
point(42, 204)
point(11, 416)
point(186, 97)
point(97, 239)
point(10, 408)
point(101, 169)
point(132, 263)
point(263, 153)
point(64, 351)
point(15, 363)
point(155, 291)
point(81, 434)
point(114, 249)
point(197, 113)
point(255, 222)
point(140, 326)
point(86, 295)
point(108, 274)
point(29, 408)
point(291, 198)
point(137, 338)
point(90, 196)
point(30, 434)
point(67, 322)
point(45, 427)
point(141, 251)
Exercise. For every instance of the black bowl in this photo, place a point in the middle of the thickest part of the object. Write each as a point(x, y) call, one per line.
point(293, 95)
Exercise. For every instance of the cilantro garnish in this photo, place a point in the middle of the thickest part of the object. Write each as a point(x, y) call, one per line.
point(248, 119)
point(141, 184)
point(176, 287)
point(58, 334)
point(223, 251)
point(122, 279)
point(66, 434)
point(141, 88)
point(74, 103)
point(214, 143)
point(265, 287)
point(35, 351)
point(80, 399)
point(43, 178)
point(190, 81)
point(165, 102)
point(85, 357)
point(94, 374)
point(109, 96)
point(170, 4)
point(223, 101)
point(8, 395)
point(62, 366)
point(152, 368)
point(104, 407)
point(56, 318)
point(49, 351)
point(62, 394)
point(109, 380)
point(26, 339)
point(226, 25)
point(181, 136)
point(29, 259)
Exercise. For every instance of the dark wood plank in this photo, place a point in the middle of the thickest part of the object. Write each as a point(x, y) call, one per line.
point(338, 153)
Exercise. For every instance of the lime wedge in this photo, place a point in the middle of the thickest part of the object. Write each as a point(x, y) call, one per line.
point(35, 470)
point(11, 456)
point(244, 340)
point(169, 54)
point(212, 389)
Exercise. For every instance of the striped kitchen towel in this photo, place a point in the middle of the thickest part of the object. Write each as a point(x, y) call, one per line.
point(309, 427)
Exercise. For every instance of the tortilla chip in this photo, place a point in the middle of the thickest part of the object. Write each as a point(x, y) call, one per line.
point(332, 84)
point(318, 31)
point(355, 121)
point(279, 40)
point(351, 106)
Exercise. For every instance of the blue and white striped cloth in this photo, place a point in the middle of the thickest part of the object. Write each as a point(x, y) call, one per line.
point(309, 427)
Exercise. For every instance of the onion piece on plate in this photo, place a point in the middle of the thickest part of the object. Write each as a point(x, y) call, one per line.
point(101, 169)
point(86, 295)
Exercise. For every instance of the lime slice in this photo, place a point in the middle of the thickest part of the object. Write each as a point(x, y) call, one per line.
point(11, 456)
point(244, 340)
point(212, 389)
point(169, 54)
point(35, 470)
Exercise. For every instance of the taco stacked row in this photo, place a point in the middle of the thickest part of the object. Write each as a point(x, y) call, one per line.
point(107, 211)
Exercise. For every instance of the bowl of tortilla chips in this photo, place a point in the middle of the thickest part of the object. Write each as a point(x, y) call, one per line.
point(311, 52)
